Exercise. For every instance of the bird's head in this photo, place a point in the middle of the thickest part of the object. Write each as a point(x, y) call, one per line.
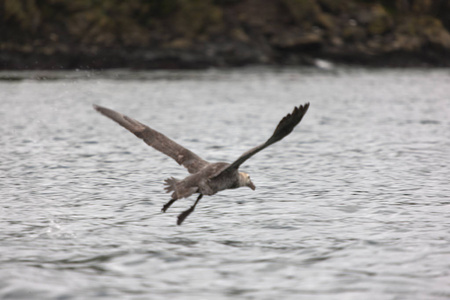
point(244, 180)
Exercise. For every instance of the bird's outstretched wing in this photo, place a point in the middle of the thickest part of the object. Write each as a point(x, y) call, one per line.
point(285, 127)
point(192, 162)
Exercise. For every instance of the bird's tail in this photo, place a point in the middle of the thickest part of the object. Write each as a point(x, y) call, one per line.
point(171, 184)
point(179, 188)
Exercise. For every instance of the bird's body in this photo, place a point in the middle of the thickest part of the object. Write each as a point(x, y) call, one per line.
point(205, 178)
point(202, 182)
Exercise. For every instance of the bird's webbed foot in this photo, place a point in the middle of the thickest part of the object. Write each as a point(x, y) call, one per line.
point(167, 205)
point(187, 212)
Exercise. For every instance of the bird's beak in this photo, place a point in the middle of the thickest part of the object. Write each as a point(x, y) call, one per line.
point(251, 185)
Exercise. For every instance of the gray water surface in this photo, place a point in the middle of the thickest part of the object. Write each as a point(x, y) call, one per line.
point(354, 204)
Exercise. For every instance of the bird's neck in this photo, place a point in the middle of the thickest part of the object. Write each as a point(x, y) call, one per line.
point(242, 180)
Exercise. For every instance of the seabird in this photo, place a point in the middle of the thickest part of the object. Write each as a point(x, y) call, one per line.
point(205, 178)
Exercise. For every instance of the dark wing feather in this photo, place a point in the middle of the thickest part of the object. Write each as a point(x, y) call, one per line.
point(285, 127)
point(192, 162)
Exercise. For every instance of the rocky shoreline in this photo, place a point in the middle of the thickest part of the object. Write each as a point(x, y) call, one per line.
point(230, 34)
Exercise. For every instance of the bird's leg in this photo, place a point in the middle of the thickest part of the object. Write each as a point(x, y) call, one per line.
point(186, 213)
point(168, 204)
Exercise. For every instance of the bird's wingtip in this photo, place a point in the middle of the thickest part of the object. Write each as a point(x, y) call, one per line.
point(303, 107)
point(99, 108)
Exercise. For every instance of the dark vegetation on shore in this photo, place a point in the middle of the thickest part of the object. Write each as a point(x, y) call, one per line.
point(164, 34)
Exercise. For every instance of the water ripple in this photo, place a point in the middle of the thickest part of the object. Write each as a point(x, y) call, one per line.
point(352, 205)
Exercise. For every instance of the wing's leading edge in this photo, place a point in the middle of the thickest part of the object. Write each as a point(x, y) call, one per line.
point(192, 162)
point(283, 129)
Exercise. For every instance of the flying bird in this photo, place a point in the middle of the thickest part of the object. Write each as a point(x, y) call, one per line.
point(205, 178)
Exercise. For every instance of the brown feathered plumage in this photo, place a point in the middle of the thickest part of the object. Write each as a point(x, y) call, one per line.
point(206, 178)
